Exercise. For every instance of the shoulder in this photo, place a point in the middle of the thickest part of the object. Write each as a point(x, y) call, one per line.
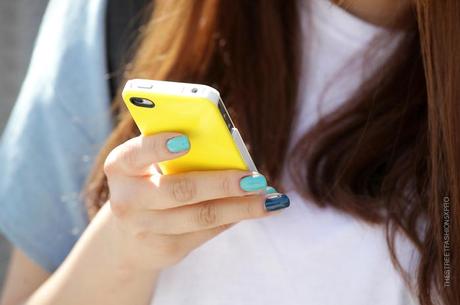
point(59, 122)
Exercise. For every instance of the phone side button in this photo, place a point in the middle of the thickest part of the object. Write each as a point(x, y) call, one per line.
point(144, 85)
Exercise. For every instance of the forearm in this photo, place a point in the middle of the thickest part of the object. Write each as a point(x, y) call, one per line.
point(93, 274)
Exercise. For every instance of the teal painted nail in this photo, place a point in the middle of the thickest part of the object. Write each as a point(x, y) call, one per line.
point(252, 183)
point(270, 190)
point(178, 144)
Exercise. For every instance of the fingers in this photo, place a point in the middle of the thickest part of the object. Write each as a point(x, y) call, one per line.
point(137, 155)
point(169, 191)
point(195, 239)
point(175, 247)
point(202, 216)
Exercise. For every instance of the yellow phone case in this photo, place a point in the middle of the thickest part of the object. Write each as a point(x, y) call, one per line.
point(212, 146)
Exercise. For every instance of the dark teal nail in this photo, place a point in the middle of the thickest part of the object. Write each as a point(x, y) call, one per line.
point(253, 183)
point(178, 144)
point(270, 190)
point(275, 202)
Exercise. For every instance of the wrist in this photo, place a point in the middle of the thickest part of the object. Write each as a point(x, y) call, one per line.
point(121, 248)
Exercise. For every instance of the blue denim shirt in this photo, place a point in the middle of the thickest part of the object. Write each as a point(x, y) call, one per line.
point(59, 123)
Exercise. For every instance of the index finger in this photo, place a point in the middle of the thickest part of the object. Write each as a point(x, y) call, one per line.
point(136, 156)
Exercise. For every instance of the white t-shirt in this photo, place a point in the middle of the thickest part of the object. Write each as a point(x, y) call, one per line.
point(306, 255)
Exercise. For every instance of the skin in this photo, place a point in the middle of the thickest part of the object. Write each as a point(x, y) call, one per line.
point(385, 13)
point(151, 222)
point(145, 227)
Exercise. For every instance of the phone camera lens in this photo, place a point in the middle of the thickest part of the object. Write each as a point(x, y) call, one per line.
point(142, 102)
point(194, 90)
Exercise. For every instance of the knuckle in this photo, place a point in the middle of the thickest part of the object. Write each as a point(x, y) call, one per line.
point(119, 208)
point(252, 209)
point(207, 215)
point(182, 189)
point(172, 248)
point(141, 235)
point(226, 185)
point(110, 164)
point(151, 144)
point(151, 223)
point(128, 156)
point(121, 156)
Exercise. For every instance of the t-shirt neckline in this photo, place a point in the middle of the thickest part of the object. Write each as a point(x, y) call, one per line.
point(343, 24)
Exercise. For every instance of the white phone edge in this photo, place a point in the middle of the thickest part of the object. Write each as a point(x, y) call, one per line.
point(243, 150)
point(167, 87)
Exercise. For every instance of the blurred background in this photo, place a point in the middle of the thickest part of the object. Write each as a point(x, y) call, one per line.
point(19, 23)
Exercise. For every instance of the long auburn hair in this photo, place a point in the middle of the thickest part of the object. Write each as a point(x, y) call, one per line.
point(390, 155)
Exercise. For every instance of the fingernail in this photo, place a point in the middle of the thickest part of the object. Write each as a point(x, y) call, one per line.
point(276, 201)
point(270, 190)
point(178, 144)
point(254, 182)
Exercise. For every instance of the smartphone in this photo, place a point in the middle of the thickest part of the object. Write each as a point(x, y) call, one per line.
point(194, 110)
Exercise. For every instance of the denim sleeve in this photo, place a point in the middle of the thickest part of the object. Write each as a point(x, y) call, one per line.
point(58, 124)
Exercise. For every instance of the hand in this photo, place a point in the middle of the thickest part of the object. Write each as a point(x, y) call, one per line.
point(159, 219)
